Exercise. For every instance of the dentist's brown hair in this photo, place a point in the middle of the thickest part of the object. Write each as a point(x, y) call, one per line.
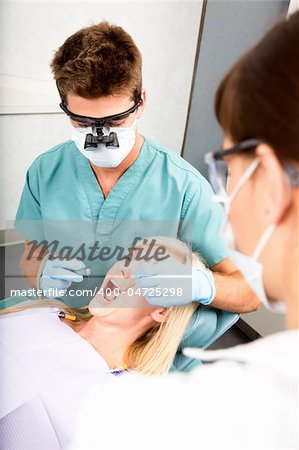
point(97, 61)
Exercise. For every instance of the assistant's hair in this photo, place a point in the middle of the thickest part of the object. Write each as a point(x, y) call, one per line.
point(259, 97)
point(154, 351)
point(96, 61)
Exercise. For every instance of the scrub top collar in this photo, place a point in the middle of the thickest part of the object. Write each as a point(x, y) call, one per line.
point(106, 208)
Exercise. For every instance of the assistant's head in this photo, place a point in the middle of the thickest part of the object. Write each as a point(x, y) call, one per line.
point(259, 99)
point(98, 72)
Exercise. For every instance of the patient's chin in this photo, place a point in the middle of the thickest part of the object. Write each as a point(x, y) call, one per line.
point(99, 308)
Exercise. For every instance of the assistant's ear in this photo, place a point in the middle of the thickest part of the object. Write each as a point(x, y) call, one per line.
point(160, 315)
point(142, 106)
point(276, 189)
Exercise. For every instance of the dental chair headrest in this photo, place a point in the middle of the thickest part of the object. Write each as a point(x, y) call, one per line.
point(205, 327)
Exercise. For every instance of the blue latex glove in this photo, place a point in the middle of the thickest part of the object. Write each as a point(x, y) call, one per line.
point(187, 284)
point(59, 275)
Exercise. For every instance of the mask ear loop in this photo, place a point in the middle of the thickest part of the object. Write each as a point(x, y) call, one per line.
point(246, 175)
point(225, 199)
point(263, 241)
point(269, 230)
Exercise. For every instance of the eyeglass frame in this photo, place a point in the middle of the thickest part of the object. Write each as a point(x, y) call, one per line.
point(247, 145)
point(99, 122)
point(244, 146)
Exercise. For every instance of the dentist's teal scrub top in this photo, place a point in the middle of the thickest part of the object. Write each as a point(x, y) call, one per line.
point(160, 194)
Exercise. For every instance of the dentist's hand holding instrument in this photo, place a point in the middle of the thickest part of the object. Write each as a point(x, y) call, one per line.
point(57, 275)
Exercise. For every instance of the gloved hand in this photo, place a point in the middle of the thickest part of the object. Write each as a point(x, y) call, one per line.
point(172, 283)
point(59, 275)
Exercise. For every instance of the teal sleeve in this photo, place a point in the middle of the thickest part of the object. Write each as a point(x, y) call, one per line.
point(202, 222)
point(29, 218)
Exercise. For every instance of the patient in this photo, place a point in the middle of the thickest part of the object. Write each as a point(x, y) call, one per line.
point(51, 354)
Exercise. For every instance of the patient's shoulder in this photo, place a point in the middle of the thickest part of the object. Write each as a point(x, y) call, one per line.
point(32, 329)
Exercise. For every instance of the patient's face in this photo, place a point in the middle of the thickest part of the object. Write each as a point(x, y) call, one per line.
point(119, 298)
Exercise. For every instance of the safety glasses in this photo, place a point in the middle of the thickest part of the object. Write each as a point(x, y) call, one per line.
point(115, 120)
point(217, 169)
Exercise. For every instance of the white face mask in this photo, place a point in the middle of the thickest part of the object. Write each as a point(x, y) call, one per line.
point(226, 200)
point(250, 267)
point(104, 156)
point(252, 271)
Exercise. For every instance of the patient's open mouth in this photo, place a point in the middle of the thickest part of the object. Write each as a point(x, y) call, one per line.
point(110, 291)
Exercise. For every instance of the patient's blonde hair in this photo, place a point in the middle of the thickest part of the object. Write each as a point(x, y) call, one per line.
point(154, 351)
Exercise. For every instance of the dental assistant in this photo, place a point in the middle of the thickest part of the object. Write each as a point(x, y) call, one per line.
point(249, 397)
point(108, 173)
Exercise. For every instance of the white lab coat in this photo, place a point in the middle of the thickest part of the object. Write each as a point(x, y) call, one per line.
point(248, 399)
point(46, 370)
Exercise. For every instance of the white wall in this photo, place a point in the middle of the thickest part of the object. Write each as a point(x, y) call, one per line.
point(294, 6)
point(165, 32)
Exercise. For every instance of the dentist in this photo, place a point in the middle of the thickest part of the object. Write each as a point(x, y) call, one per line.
point(109, 174)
